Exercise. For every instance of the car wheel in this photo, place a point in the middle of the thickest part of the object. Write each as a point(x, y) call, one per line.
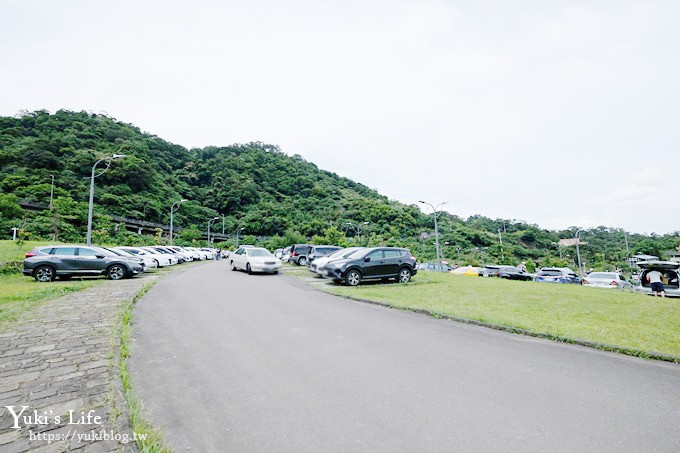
point(248, 269)
point(231, 265)
point(44, 274)
point(353, 278)
point(302, 261)
point(116, 272)
point(404, 275)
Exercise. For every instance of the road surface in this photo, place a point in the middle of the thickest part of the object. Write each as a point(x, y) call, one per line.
point(228, 362)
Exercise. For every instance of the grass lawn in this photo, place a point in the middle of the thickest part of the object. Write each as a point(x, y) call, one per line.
point(10, 251)
point(19, 293)
point(612, 317)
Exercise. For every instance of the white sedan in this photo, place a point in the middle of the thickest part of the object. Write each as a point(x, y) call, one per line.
point(607, 280)
point(162, 260)
point(254, 259)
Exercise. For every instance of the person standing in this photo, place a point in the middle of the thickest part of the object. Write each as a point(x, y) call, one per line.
point(655, 282)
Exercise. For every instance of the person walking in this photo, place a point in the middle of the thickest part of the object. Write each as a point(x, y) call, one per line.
point(655, 282)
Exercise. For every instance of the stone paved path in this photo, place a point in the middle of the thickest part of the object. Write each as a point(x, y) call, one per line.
point(62, 356)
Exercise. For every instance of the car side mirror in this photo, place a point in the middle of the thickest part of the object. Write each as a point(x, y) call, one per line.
point(367, 259)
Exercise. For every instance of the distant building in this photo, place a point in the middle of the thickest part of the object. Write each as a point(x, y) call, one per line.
point(633, 260)
point(569, 242)
point(674, 255)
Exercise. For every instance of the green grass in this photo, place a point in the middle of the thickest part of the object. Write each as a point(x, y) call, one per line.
point(625, 319)
point(10, 251)
point(19, 293)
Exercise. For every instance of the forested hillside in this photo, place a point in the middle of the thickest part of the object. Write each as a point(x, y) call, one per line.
point(255, 187)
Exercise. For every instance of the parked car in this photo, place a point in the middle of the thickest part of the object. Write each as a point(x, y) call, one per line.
point(373, 263)
point(278, 253)
point(162, 251)
point(298, 254)
point(209, 253)
point(557, 275)
point(434, 267)
point(254, 259)
point(612, 280)
point(162, 259)
point(473, 271)
point(669, 271)
point(149, 263)
point(318, 264)
point(318, 251)
point(491, 270)
point(188, 256)
point(181, 257)
point(514, 273)
point(65, 261)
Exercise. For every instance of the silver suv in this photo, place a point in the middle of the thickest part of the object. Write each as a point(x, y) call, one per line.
point(65, 261)
point(669, 272)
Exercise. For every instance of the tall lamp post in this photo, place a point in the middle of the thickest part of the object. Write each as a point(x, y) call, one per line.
point(173, 208)
point(436, 230)
point(500, 239)
point(578, 253)
point(237, 231)
point(90, 209)
point(209, 223)
point(51, 191)
point(357, 228)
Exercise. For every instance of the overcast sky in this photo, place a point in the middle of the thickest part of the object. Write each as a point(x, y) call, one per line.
point(556, 113)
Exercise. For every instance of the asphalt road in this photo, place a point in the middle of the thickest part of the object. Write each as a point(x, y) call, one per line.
point(227, 362)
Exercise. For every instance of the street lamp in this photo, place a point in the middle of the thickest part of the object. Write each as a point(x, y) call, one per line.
point(51, 191)
point(357, 228)
point(436, 230)
point(210, 222)
point(500, 238)
point(172, 212)
point(578, 253)
point(89, 211)
point(237, 231)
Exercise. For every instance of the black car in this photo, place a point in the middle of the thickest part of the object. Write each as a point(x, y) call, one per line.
point(489, 271)
point(65, 261)
point(317, 251)
point(373, 263)
point(513, 273)
point(298, 254)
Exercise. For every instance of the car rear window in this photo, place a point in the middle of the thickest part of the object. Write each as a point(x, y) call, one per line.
point(551, 273)
point(602, 275)
point(393, 253)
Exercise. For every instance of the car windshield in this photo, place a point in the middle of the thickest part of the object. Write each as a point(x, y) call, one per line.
point(258, 252)
point(103, 251)
point(361, 253)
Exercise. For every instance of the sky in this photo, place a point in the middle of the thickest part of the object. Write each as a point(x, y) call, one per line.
point(554, 113)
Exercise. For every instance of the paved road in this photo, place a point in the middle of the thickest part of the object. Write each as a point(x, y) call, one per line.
point(225, 361)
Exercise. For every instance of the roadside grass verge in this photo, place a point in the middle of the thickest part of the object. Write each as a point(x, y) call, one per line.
point(149, 438)
point(19, 294)
point(639, 324)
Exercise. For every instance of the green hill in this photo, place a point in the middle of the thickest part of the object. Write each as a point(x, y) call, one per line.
point(254, 186)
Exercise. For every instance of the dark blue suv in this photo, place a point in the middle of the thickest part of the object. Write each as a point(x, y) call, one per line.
point(373, 263)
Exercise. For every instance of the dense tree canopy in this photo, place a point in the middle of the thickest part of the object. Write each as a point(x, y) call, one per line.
point(267, 195)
